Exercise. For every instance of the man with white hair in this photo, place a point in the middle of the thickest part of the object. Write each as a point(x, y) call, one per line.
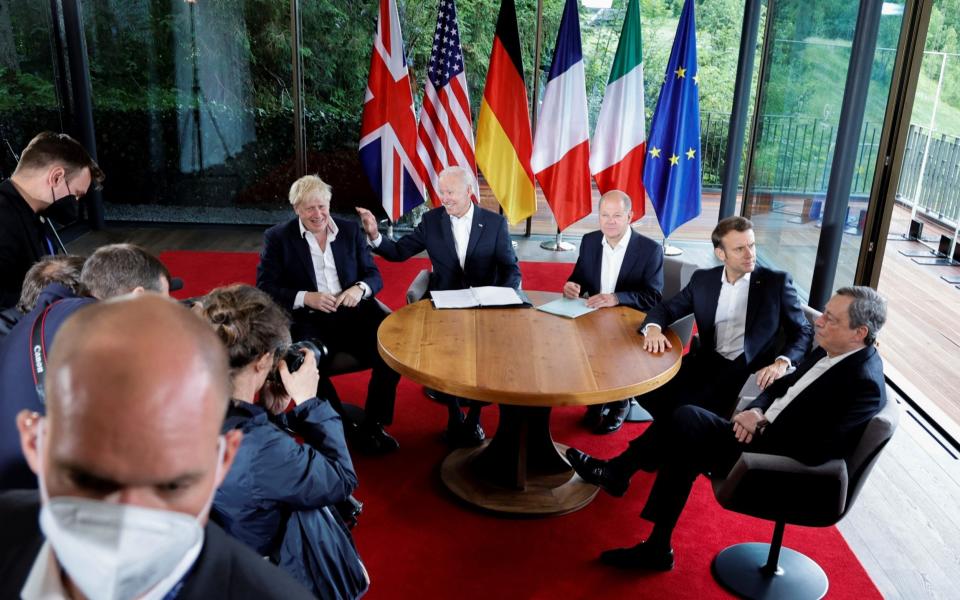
point(320, 269)
point(468, 246)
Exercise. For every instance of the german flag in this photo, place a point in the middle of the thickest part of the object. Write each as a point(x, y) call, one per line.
point(504, 143)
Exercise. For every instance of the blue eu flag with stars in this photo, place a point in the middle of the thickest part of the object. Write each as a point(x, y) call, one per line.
point(671, 171)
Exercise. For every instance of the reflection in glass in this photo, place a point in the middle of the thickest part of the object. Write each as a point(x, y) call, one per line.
point(799, 113)
point(192, 108)
point(28, 95)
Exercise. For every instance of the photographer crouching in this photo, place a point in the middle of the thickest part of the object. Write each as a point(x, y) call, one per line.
point(279, 497)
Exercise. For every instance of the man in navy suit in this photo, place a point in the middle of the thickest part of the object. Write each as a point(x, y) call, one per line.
point(468, 246)
point(817, 413)
point(616, 266)
point(749, 321)
point(320, 269)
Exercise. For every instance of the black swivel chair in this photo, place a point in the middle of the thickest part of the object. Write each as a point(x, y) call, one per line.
point(784, 490)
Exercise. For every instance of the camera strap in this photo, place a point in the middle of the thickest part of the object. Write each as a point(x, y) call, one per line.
point(38, 352)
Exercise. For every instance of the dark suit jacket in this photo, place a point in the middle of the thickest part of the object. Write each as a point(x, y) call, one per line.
point(17, 389)
point(490, 257)
point(21, 242)
point(225, 568)
point(827, 419)
point(640, 283)
point(286, 267)
point(772, 304)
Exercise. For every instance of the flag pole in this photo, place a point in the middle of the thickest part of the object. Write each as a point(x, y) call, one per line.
point(670, 250)
point(558, 245)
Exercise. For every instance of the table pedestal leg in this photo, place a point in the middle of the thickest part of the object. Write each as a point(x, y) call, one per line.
point(521, 470)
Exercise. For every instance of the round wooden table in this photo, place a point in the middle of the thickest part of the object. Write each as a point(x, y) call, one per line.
point(527, 361)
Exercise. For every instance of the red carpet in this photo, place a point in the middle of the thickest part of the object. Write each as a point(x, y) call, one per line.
point(419, 542)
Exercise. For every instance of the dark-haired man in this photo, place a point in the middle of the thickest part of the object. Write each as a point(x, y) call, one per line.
point(813, 415)
point(53, 173)
point(749, 320)
point(111, 271)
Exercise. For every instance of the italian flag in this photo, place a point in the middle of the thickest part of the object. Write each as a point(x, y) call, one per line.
point(619, 141)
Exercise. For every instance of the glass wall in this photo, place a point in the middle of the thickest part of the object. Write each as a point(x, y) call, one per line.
point(799, 111)
point(192, 107)
point(28, 95)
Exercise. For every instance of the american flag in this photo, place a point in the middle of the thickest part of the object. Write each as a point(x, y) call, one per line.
point(445, 133)
point(389, 128)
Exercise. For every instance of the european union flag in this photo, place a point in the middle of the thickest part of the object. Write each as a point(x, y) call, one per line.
point(671, 172)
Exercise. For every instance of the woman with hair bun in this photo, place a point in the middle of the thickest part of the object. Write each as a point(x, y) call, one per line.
point(278, 495)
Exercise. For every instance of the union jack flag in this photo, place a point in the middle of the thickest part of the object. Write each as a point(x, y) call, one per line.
point(389, 131)
point(445, 134)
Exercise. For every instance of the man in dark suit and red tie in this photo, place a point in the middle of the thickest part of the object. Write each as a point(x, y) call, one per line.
point(813, 415)
point(468, 246)
point(749, 320)
point(616, 265)
point(320, 269)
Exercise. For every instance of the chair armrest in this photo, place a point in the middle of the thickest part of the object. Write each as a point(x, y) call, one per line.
point(776, 487)
point(418, 287)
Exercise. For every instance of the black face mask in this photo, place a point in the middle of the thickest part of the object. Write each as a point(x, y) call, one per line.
point(64, 210)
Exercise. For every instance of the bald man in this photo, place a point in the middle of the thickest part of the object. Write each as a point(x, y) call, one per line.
point(128, 457)
point(616, 266)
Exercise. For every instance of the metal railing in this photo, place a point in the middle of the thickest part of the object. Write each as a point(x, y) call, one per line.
point(937, 193)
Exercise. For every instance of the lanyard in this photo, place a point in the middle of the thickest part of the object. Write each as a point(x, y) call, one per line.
point(38, 352)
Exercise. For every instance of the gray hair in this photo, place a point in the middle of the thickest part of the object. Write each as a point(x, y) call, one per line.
point(59, 268)
point(468, 178)
point(119, 269)
point(868, 309)
point(622, 196)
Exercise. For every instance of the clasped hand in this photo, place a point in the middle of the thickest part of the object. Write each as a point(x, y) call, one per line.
point(745, 425)
point(573, 290)
point(328, 303)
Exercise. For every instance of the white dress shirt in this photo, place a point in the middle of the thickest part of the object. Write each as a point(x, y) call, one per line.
point(731, 316)
point(44, 582)
point(324, 266)
point(461, 233)
point(611, 262)
point(803, 383)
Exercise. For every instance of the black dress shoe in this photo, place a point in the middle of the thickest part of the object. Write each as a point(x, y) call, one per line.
point(612, 419)
point(464, 435)
point(597, 472)
point(370, 438)
point(593, 417)
point(641, 557)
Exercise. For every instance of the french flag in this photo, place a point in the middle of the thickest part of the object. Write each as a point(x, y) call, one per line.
point(388, 134)
point(561, 147)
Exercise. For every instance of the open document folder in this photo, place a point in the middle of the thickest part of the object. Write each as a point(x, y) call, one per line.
point(479, 296)
point(565, 307)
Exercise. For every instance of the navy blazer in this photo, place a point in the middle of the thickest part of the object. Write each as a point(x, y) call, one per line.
point(225, 567)
point(276, 494)
point(17, 389)
point(772, 304)
point(827, 419)
point(286, 267)
point(640, 282)
point(490, 257)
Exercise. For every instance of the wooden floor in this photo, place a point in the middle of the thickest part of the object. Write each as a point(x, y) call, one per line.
point(905, 528)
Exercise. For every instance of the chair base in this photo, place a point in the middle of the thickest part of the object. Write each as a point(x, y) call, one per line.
point(739, 569)
point(637, 413)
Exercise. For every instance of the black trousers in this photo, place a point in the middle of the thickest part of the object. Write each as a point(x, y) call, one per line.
point(705, 379)
point(689, 442)
point(354, 331)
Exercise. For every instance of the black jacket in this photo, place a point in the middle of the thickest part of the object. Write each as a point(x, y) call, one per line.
point(827, 419)
point(22, 242)
point(225, 568)
point(640, 283)
point(772, 304)
point(490, 257)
